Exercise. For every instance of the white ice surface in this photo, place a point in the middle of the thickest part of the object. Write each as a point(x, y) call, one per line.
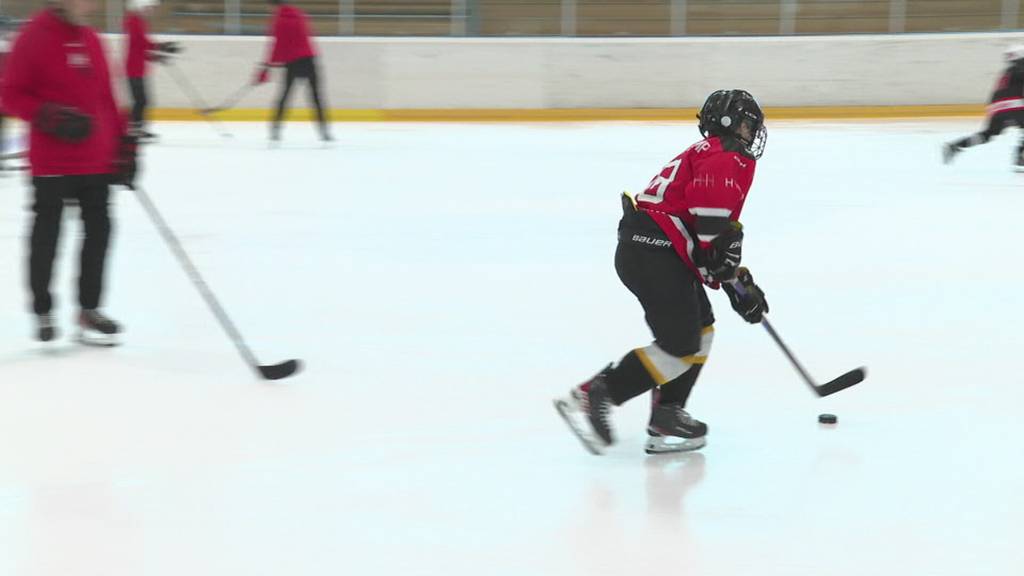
point(442, 284)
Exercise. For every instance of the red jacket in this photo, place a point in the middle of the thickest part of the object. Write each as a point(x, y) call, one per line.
point(139, 44)
point(53, 61)
point(290, 32)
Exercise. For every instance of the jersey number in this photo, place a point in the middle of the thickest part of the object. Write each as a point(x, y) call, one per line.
point(660, 183)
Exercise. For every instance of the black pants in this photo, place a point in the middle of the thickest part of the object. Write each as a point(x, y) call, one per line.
point(140, 100)
point(302, 68)
point(996, 124)
point(92, 193)
point(675, 304)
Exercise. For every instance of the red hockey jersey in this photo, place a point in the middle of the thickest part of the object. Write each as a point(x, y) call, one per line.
point(56, 62)
point(290, 33)
point(705, 181)
point(139, 44)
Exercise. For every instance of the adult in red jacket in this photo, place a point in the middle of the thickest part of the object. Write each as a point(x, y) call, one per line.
point(141, 50)
point(292, 48)
point(57, 80)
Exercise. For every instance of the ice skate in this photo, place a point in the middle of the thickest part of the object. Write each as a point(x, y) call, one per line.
point(141, 135)
point(96, 329)
point(586, 410)
point(948, 152)
point(1018, 164)
point(672, 429)
point(45, 328)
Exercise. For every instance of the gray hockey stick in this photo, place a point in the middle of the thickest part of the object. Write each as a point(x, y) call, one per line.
point(265, 371)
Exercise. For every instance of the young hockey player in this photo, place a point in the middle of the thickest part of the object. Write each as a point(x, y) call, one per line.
point(141, 50)
point(292, 48)
point(1006, 109)
point(57, 80)
point(678, 236)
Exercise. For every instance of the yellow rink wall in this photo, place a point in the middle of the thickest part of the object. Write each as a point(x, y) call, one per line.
point(580, 114)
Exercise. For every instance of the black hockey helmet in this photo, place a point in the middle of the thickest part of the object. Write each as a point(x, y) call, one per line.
point(724, 114)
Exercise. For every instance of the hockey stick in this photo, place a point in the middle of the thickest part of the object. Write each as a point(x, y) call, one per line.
point(851, 378)
point(268, 371)
point(197, 101)
point(231, 100)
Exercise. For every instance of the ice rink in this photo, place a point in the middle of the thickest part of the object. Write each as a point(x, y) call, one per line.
point(442, 284)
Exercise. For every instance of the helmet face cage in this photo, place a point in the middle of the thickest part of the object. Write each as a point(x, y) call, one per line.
point(725, 111)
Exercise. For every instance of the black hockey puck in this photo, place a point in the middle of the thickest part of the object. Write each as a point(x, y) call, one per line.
point(827, 418)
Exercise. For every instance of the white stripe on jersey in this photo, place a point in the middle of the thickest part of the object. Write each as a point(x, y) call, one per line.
point(721, 212)
point(690, 244)
point(1005, 105)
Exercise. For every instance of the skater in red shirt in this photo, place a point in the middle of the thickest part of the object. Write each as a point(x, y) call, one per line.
point(680, 235)
point(292, 48)
point(57, 80)
point(140, 51)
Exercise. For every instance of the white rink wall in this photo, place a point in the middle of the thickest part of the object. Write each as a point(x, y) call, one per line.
point(534, 73)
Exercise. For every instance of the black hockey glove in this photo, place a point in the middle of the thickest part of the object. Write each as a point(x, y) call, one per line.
point(746, 298)
point(64, 122)
point(157, 57)
point(126, 164)
point(168, 47)
point(722, 257)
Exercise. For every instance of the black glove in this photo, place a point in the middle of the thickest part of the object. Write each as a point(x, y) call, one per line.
point(722, 257)
point(157, 57)
point(746, 298)
point(126, 164)
point(63, 122)
point(168, 47)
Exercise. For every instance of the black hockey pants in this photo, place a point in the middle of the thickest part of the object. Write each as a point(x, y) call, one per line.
point(301, 68)
point(140, 100)
point(675, 305)
point(996, 124)
point(92, 193)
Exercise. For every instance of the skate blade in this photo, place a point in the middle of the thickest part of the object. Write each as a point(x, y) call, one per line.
point(97, 340)
point(662, 445)
point(591, 442)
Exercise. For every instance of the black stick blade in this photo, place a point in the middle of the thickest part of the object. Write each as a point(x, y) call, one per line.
point(279, 371)
point(851, 378)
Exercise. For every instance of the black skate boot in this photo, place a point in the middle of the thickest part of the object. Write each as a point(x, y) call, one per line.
point(672, 429)
point(1018, 163)
point(96, 329)
point(949, 150)
point(586, 410)
point(46, 331)
point(142, 136)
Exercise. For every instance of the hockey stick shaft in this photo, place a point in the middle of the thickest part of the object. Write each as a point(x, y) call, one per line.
point(843, 382)
point(785, 350)
point(197, 280)
point(231, 100)
point(192, 94)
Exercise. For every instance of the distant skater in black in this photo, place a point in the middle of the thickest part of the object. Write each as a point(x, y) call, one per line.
point(1006, 108)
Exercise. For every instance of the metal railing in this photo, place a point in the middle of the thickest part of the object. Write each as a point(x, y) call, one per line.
point(575, 17)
